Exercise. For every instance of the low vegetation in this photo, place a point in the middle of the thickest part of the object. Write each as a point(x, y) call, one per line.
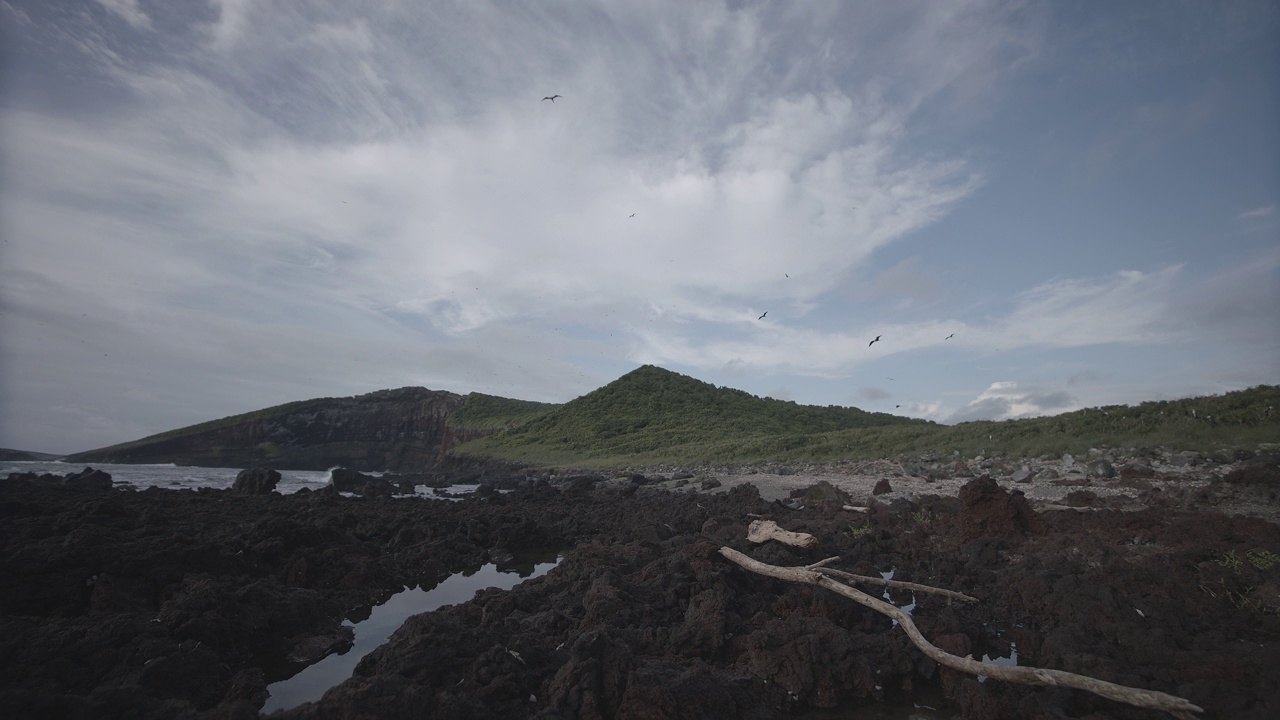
point(480, 411)
point(653, 416)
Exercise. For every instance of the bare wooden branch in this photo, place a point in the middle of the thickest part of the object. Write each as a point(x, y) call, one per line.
point(821, 566)
point(914, 587)
point(857, 508)
point(1153, 699)
point(760, 531)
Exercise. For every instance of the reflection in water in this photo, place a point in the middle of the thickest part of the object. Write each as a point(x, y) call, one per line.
point(1011, 660)
point(386, 618)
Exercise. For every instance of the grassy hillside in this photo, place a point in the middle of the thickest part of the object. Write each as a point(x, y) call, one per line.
point(480, 411)
point(652, 416)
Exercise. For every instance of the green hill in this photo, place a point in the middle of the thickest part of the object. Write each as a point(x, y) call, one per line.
point(400, 429)
point(480, 411)
point(652, 415)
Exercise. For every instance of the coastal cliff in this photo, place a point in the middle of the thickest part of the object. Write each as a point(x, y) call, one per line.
point(401, 429)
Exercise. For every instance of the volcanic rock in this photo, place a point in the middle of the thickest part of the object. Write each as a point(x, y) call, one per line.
point(987, 510)
point(88, 479)
point(258, 481)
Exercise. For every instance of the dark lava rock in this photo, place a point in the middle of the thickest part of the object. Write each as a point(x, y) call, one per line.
point(345, 480)
point(823, 494)
point(88, 479)
point(1023, 475)
point(1260, 470)
point(314, 648)
point(259, 481)
point(178, 604)
point(1130, 471)
point(376, 487)
point(1101, 468)
point(710, 483)
point(580, 483)
point(986, 510)
point(882, 487)
point(1080, 498)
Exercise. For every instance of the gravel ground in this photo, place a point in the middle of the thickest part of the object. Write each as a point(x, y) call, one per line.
point(778, 487)
point(1196, 486)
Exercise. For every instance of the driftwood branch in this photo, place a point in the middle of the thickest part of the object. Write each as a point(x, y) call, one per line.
point(1023, 675)
point(765, 530)
point(850, 578)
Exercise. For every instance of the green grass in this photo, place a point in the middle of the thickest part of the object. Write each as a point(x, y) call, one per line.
point(655, 417)
point(480, 411)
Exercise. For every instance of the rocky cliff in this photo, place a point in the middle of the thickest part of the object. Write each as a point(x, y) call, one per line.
point(399, 429)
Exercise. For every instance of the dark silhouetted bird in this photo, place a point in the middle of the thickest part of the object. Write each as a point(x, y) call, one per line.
point(949, 336)
point(632, 215)
point(766, 312)
point(552, 98)
point(873, 342)
point(895, 407)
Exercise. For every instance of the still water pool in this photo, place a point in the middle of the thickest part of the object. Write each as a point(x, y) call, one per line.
point(386, 618)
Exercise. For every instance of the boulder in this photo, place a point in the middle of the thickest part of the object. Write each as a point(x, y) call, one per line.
point(710, 483)
point(344, 480)
point(1101, 468)
point(376, 487)
point(258, 481)
point(987, 510)
point(88, 479)
point(1260, 470)
point(1132, 470)
point(882, 487)
point(823, 494)
point(1024, 475)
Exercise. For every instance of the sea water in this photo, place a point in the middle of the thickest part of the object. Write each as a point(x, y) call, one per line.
point(174, 477)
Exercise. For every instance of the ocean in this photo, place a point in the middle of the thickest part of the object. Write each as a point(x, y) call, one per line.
point(174, 477)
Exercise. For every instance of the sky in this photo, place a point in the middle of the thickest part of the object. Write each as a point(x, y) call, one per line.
point(216, 206)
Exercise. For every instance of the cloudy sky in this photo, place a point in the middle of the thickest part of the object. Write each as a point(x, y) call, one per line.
point(212, 207)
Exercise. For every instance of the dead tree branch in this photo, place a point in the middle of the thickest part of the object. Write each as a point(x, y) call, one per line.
point(850, 578)
point(1174, 705)
point(765, 530)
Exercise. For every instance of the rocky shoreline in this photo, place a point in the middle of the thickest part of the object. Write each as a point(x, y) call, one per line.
point(182, 604)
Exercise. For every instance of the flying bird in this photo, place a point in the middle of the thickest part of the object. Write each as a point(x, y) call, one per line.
point(873, 342)
point(632, 215)
point(766, 312)
point(949, 336)
point(552, 98)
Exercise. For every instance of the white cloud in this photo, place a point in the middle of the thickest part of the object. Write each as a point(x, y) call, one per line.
point(1005, 400)
point(128, 11)
point(232, 18)
point(1258, 213)
point(1128, 307)
point(287, 203)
